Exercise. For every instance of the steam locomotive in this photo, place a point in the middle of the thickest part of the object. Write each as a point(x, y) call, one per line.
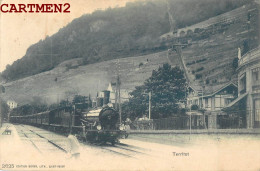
point(98, 125)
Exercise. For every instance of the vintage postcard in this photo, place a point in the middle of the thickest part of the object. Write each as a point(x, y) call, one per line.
point(129, 85)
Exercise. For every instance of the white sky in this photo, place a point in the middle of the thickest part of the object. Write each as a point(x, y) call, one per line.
point(20, 30)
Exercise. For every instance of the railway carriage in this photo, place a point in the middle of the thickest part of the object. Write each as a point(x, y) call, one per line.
point(97, 125)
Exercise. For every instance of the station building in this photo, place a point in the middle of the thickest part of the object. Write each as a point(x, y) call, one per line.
point(248, 102)
point(211, 100)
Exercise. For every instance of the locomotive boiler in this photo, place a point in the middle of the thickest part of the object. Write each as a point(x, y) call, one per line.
point(101, 125)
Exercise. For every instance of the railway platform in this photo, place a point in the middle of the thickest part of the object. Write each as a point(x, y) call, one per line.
point(24, 143)
point(28, 147)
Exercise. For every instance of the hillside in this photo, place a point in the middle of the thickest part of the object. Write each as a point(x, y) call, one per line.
point(208, 55)
point(213, 46)
point(69, 78)
point(133, 30)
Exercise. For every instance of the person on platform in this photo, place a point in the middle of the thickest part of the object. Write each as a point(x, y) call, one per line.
point(74, 147)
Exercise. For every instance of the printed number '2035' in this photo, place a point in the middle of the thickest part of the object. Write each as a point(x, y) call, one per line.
point(7, 165)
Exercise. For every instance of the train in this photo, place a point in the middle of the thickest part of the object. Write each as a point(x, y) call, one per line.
point(97, 125)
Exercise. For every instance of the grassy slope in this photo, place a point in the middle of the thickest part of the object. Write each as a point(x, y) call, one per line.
point(83, 79)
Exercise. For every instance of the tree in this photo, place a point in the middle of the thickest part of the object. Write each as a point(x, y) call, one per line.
point(64, 103)
point(4, 109)
point(79, 99)
point(167, 85)
point(81, 102)
point(38, 104)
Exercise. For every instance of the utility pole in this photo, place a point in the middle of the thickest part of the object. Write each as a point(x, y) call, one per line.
point(119, 101)
point(190, 123)
point(203, 107)
point(150, 105)
point(72, 118)
point(118, 93)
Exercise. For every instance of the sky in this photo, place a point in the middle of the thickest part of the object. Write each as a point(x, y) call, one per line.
point(20, 30)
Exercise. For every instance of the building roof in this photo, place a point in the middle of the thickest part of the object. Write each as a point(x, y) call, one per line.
point(211, 90)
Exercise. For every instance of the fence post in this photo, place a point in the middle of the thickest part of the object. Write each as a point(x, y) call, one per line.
point(190, 126)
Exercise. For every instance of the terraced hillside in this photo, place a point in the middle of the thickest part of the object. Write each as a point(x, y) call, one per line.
point(211, 51)
point(208, 55)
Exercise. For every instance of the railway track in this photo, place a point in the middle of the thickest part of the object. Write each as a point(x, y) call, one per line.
point(121, 149)
point(34, 145)
point(51, 142)
point(39, 142)
point(48, 142)
point(118, 152)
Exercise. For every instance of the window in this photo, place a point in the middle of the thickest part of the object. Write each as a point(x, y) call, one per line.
point(255, 74)
point(227, 101)
point(206, 102)
point(257, 110)
point(242, 83)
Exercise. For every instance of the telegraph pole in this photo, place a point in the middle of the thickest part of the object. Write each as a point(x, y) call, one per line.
point(150, 105)
point(119, 101)
point(118, 93)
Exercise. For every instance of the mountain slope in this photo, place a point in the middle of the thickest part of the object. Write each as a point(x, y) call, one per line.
point(208, 55)
point(115, 33)
point(69, 79)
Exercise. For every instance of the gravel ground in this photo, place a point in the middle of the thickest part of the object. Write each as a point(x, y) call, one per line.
point(229, 153)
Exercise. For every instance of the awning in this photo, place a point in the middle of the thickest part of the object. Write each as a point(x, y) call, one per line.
point(235, 101)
